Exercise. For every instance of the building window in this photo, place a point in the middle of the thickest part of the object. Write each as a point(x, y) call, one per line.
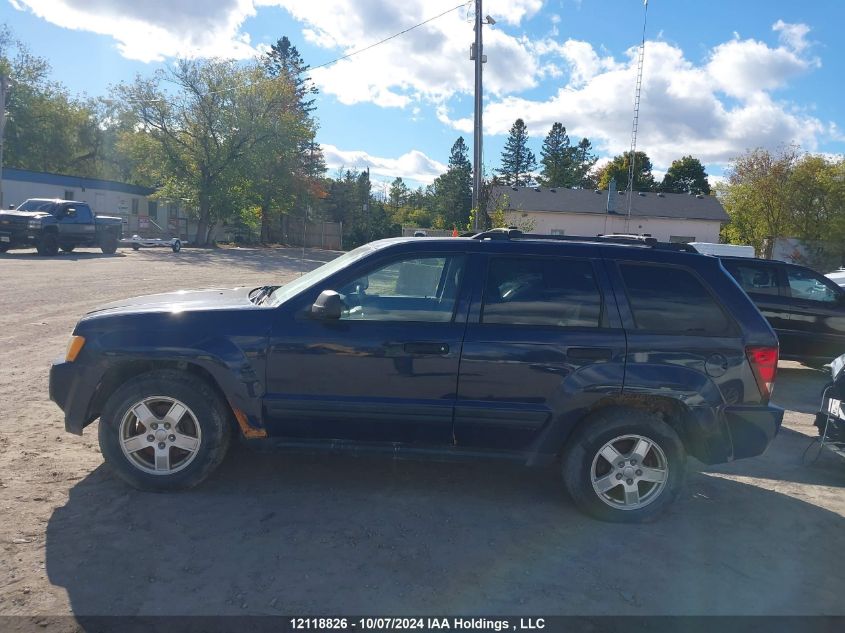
point(152, 209)
point(558, 232)
point(69, 195)
point(172, 209)
point(681, 239)
point(134, 206)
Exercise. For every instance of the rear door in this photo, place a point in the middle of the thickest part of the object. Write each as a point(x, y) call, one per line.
point(543, 340)
point(817, 315)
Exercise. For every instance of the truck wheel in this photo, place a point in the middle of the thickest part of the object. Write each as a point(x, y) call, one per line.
point(176, 246)
point(68, 248)
point(164, 430)
point(4, 248)
point(109, 244)
point(624, 465)
point(136, 247)
point(48, 245)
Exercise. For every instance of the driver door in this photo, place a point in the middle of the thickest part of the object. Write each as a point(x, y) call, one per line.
point(387, 369)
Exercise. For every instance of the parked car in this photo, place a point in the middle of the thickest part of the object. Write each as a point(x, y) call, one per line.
point(805, 308)
point(50, 225)
point(837, 277)
point(614, 359)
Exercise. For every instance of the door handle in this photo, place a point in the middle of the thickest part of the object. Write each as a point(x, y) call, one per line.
point(426, 348)
point(589, 353)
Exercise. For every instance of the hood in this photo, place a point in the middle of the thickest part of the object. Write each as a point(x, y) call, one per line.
point(27, 215)
point(180, 301)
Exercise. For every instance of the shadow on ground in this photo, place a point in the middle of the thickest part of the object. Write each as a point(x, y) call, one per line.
point(281, 534)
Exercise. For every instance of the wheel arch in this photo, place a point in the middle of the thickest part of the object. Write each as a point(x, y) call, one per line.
point(123, 371)
point(677, 414)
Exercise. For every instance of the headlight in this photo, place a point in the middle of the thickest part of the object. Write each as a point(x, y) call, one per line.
point(74, 347)
point(34, 224)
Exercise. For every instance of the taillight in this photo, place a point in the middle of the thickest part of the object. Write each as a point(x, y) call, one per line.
point(764, 364)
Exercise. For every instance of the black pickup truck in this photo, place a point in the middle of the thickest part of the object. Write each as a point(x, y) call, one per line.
point(50, 225)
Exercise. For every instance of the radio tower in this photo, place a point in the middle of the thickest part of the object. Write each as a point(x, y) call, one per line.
point(632, 157)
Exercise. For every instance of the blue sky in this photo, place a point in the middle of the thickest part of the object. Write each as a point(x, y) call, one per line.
point(720, 76)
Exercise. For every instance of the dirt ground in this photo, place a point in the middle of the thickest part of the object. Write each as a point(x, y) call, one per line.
point(282, 534)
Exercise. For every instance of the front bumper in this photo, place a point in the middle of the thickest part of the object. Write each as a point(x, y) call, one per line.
point(752, 428)
point(72, 387)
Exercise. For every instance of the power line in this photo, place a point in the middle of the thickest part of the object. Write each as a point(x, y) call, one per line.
point(330, 62)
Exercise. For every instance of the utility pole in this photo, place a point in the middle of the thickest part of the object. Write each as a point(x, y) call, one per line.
point(4, 88)
point(477, 54)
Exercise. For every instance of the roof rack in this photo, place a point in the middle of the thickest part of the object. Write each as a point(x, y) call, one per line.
point(626, 239)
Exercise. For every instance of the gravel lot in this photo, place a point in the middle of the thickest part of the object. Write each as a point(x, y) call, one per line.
point(281, 534)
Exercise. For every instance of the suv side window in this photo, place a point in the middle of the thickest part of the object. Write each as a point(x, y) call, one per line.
point(671, 299)
point(541, 291)
point(754, 278)
point(805, 284)
point(411, 288)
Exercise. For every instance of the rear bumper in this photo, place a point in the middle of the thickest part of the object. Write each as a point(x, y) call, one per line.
point(752, 428)
point(72, 387)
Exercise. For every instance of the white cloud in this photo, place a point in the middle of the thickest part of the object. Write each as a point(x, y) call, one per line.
point(793, 36)
point(429, 63)
point(413, 165)
point(153, 30)
point(715, 110)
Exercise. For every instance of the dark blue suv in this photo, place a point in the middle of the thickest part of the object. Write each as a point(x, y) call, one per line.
point(616, 358)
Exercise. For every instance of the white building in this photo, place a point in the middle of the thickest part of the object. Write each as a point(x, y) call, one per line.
point(107, 197)
point(670, 217)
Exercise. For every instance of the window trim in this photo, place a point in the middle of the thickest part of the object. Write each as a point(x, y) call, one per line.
point(734, 329)
point(591, 261)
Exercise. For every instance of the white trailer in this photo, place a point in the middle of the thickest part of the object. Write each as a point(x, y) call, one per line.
point(724, 250)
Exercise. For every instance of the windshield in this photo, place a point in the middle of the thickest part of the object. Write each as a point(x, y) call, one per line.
point(283, 293)
point(38, 205)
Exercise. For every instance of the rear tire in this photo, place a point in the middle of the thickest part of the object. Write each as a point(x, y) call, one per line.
point(48, 245)
point(188, 421)
point(109, 244)
point(624, 465)
point(176, 246)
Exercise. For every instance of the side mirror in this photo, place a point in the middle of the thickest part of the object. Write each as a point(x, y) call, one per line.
point(328, 306)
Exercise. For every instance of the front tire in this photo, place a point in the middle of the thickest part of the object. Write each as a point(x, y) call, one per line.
point(624, 465)
point(48, 245)
point(68, 248)
point(165, 430)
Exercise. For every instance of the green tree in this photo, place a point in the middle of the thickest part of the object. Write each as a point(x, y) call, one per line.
point(398, 195)
point(758, 199)
point(195, 132)
point(618, 169)
point(557, 159)
point(518, 160)
point(452, 191)
point(284, 59)
point(584, 159)
point(686, 175)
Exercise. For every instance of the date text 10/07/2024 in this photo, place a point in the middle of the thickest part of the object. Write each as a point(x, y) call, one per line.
point(409, 624)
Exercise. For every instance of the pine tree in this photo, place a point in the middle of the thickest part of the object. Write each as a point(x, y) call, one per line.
point(284, 59)
point(453, 190)
point(517, 160)
point(557, 159)
point(583, 161)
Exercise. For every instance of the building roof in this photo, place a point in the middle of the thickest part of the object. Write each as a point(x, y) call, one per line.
point(647, 204)
point(76, 182)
